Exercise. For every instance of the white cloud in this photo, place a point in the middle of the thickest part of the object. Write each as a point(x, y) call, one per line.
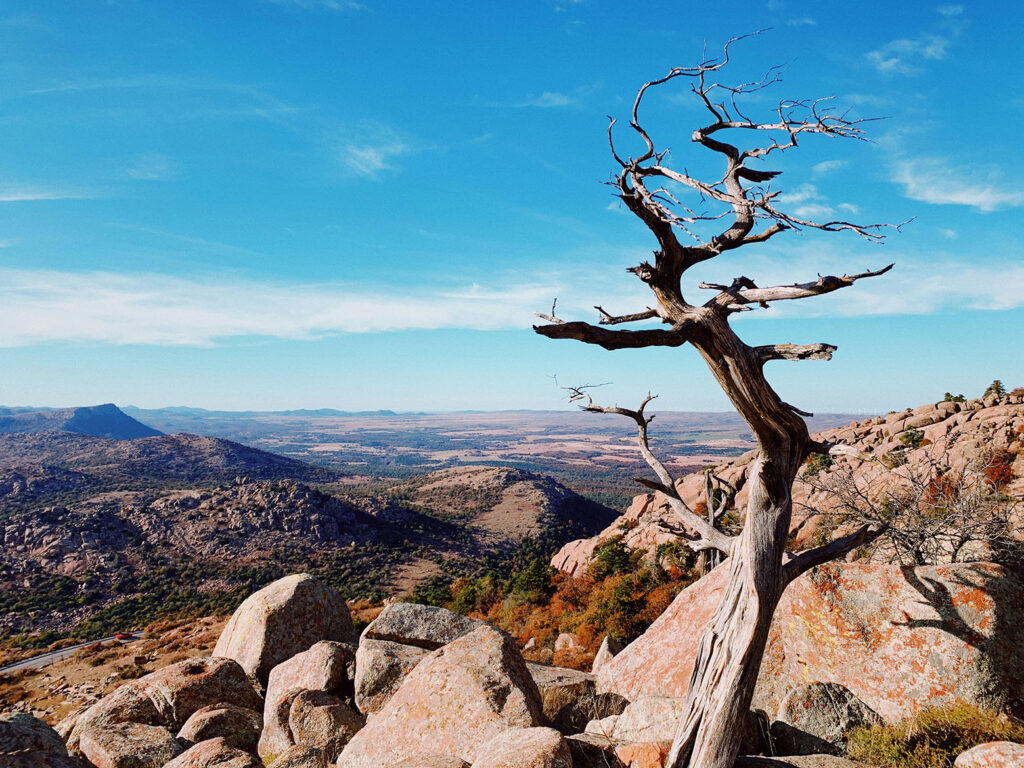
point(802, 21)
point(949, 234)
point(932, 180)
point(949, 11)
point(548, 99)
point(38, 306)
point(14, 194)
point(849, 208)
point(904, 55)
point(153, 167)
point(827, 166)
point(370, 150)
point(916, 286)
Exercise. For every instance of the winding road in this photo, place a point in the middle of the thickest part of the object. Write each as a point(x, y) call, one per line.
point(45, 659)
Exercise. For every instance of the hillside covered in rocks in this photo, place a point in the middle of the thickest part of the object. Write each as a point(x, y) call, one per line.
point(290, 684)
point(963, 458)
point(98, 535)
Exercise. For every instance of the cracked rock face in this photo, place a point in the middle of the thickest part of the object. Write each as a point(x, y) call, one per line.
point(460, 697)
point(129, 745)
point(896, 638)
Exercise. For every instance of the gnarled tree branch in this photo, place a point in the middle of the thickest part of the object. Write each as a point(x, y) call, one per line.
point(835, 549)
point(707, 535)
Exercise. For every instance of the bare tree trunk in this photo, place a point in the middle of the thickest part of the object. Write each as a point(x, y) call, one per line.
point(729, 656)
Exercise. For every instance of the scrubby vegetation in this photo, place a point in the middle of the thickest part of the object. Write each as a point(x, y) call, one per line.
point(933, 738)
point(619, 596)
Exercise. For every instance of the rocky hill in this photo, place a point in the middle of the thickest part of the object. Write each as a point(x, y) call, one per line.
point(904, 467)
point(126, 531)
point(98, 420)
point(56, 462)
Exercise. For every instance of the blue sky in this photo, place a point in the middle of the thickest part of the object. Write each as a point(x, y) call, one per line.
point(318, 203)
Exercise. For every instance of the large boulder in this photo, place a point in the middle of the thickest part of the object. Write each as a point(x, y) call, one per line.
point(214, 753)
point(815, 718)
point(302, 756)
point(897, 638)
point(281, 620)
point(128, 745)
point(327, 666)
point(570, 697)
point(648, 719)
point(238, 726)
point(459, 698)
point(425, 626)
point(525, 748)
point(995, 754)
point(21, 732)
point(168, 697)
point(320, 720)
point(381, 666)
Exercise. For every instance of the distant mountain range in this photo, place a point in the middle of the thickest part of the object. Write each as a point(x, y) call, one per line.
point(98, 420)
point(99, 531)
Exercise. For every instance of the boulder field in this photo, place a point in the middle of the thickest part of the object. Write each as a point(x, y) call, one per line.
point(424, 687)
point(950, 434)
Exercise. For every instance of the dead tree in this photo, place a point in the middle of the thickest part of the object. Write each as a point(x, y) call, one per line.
point(747, 213)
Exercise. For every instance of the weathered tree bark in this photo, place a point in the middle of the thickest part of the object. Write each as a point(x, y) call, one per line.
point(729, 656)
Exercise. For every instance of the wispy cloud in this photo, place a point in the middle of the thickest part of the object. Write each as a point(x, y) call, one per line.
point(15, 194)
point(917, 286)
point(38, 306)
point(950, 11)
point(153, 166)
point(548, 99)
point(827, 166)
point(905, 55)
point(932, 180)
point(332, 5)
point(802, 21)
point(371, 149)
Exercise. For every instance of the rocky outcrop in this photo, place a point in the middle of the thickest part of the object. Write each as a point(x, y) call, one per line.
point(461, 696)
point(239, 727)
point(423, 626)
point(814, 719)
point(168, 697)
point(281, 620)
point(326, 667)
point(21, 732)
point(301, 756)
point(128, 745)
point(960, 432)
point(995, 754)
point(570, 697)
point(395, 642)
point(381, 666)
point(525, 748)
point(321, 720)
point(897, 638)
point(214, 753)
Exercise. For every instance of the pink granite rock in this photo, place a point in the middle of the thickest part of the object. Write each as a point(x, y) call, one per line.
point(281, 620)
point(525, 748)
point(995, 754)
point(452, 703)
point(897, 638)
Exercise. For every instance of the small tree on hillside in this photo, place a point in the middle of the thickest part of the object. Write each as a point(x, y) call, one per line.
point(744, 211)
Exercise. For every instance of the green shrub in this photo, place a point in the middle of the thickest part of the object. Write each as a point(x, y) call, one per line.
point(816, 463)
point(912, 438)
point(933, 738)
point(612, 557)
